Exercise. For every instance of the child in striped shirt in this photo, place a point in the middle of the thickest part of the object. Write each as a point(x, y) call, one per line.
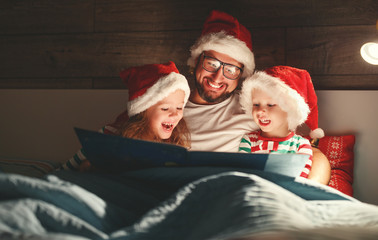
point(279, 100)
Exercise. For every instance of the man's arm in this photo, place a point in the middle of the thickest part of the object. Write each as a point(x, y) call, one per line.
point(320, 169)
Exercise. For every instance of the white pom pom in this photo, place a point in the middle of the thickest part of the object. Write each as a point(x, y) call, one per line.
point(317, 133)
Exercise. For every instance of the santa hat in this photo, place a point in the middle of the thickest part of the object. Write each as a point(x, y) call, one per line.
point(150, 84)
point(224, 34)
point(292, 88)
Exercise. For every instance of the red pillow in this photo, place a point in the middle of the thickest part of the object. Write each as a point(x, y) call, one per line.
point(339, 151)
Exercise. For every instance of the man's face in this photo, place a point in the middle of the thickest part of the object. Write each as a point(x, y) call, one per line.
point(213, 87)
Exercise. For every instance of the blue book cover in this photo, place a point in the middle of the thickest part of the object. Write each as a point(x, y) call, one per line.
point(116, 152)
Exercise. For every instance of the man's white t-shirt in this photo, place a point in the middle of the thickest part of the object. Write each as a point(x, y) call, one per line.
point(218, 127)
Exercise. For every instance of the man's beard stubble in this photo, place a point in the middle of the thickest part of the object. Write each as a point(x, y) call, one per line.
point(208, 97)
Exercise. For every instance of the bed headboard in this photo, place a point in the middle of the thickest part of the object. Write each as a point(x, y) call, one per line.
point(42, 48)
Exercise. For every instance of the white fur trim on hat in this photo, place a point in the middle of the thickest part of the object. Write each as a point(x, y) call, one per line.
point(287, 98)
point(226, 44)
point(160, 90)
point(316, 133)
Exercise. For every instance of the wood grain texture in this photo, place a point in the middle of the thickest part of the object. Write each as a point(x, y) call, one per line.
point(268, 46)
point(46, 16)
point(170, 15)
point(86, 43)
point(89, 55)
point(345, 82)
point(330, 50)
point(108, 83)
point(47, 83)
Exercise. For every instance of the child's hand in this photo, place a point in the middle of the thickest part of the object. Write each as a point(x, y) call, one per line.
point(85, 166)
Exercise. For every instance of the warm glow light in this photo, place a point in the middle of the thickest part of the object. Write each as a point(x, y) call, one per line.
point(369, 52)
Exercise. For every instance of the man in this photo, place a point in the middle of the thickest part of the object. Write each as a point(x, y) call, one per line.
point(221, 58)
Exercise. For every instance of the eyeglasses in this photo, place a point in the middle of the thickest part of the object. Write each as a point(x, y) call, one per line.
point(230, 71)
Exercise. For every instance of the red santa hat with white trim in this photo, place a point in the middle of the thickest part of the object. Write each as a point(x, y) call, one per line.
point(224, 34)
point(292, 88)
point(151, 83)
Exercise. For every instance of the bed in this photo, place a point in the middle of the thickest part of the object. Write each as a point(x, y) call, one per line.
point(197, 202)
point(174, 203)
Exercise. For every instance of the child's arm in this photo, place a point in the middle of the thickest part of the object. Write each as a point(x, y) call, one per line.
point(245, 144)
point(79, 162)
point(320, 170)
point(75, 161)
point(305, 148)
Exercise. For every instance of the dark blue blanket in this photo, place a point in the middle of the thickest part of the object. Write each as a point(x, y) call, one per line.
point(171, 203)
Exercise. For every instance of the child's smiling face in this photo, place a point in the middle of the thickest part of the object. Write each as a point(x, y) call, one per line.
point(268, 115)
point(165, 115)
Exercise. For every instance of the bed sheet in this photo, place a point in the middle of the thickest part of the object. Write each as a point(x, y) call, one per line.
point(174, 203)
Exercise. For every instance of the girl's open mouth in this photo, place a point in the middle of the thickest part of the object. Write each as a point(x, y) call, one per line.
point(167, 126)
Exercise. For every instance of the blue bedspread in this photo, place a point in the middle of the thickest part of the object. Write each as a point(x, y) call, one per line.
point(172, 203)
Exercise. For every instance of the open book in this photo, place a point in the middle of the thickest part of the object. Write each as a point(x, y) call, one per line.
point(116, 152)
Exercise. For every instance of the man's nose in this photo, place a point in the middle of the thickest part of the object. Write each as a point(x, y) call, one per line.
point(218, 75)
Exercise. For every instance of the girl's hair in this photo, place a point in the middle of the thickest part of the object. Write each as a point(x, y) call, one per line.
point(138, 127)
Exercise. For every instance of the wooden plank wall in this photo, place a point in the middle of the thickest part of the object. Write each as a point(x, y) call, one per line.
point(84, 44)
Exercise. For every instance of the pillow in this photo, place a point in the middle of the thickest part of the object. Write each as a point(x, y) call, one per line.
point(27, 167)
point(339, 151)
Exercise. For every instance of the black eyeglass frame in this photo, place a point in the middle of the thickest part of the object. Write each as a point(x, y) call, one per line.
point(221, 64)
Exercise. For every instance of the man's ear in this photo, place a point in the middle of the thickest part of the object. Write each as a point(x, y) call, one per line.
point(192, 70)
point(197, 61)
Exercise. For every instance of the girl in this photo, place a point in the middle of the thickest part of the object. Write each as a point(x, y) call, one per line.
point(279, 100)
point(157, 96)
